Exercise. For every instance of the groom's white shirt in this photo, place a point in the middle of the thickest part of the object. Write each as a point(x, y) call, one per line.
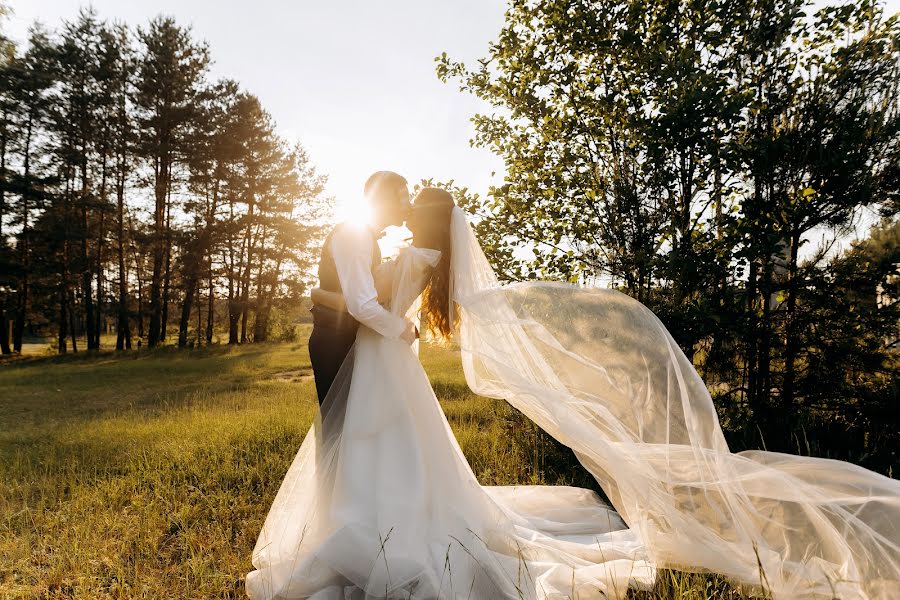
point(351, 248)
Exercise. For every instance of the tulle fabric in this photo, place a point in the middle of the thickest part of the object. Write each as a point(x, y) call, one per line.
point(380, 502)
point(599, 372)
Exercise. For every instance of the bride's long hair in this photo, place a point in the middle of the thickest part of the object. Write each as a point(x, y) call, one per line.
point(433, 208)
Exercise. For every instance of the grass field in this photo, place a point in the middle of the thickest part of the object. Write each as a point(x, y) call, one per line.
point(148, 475)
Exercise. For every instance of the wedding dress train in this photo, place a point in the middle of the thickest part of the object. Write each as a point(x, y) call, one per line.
point(380, 501)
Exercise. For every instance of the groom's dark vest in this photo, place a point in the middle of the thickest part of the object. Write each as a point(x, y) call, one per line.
point(329, 281)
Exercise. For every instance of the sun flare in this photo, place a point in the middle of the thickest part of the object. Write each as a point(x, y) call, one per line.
point(356, 211)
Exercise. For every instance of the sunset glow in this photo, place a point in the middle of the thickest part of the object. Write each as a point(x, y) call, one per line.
point(357, 211)
point(352, 210)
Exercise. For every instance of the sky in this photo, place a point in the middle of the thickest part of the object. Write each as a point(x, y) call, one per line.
point(351, 80)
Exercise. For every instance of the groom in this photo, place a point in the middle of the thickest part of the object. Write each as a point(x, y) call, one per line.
point(349, 258)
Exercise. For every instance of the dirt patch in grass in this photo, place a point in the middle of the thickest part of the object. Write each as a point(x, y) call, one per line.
point(293, 376)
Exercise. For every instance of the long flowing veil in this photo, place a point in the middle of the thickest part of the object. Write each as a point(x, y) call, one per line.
point(599, 372)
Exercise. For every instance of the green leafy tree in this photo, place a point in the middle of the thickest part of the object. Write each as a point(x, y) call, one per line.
point(685, 153)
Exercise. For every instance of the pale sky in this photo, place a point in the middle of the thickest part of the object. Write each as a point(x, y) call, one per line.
point(352, 80)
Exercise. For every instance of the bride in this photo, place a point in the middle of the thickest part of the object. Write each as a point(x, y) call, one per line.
point(381, 503)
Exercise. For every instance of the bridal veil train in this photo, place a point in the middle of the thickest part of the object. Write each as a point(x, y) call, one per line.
point(380, 502)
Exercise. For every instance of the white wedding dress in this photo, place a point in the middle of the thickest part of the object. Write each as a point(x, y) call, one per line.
point(381, 503)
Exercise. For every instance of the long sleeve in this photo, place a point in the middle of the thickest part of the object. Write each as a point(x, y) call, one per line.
point(351, 248)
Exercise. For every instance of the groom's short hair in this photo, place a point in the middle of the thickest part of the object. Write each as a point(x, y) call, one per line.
point(381, 181)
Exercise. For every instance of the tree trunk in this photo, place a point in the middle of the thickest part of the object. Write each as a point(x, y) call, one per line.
point(140, 298)
point(233, 310)
point(210, 225)
point(98, 318)
point(210, 310)
point(4, 333)
point(159, 221)
point(261, 323)
point(123, 327)
point(199, 315)
point(86, 275)
point(73, 330)
point(123, 331)
point(4, 322)
point(234, 317)
point(101, 236)
point(244, 281)
point(244, 286)
point(190, 288)
point(167, 278)
point(244, 313)
point(63, 320)
point(22, 295)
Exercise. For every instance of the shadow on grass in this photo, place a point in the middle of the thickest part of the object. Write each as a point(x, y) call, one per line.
point(105, 356)
point(67, 391)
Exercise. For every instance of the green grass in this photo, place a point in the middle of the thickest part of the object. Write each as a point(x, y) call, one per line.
point(148, 475)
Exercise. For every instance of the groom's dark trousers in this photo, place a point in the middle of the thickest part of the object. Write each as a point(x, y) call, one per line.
point(332, 337)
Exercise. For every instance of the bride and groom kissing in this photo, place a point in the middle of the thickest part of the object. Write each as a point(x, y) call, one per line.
point(353, 280)
point(380, 502)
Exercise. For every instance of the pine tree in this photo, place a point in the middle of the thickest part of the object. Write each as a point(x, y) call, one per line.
point(171, 71)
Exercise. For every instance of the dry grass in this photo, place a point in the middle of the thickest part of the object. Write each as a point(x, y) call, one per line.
point(149, 475)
